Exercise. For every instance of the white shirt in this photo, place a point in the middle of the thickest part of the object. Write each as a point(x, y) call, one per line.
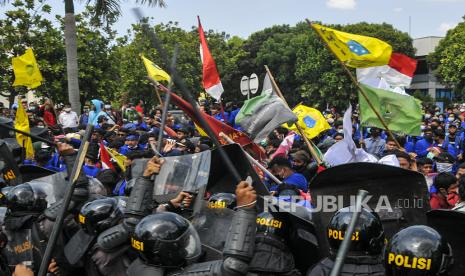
point(68, 120)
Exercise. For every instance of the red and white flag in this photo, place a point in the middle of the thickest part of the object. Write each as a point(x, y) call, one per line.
point(285, 146)
point(398, 73)
point(105, 158)
point(210, 77)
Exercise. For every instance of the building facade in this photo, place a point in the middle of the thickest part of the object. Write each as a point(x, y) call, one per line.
point(424, 79)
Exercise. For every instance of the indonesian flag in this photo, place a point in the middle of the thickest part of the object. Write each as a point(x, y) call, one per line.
point(210, 77)
point(105, 158)
point(285, 146)
point(398, 73)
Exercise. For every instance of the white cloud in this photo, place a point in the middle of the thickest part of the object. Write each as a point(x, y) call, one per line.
point(398, 9)
point(341, 4)
point(445, 26)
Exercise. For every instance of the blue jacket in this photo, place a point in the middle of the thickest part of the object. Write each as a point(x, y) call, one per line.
point(421, 147)
point(125, 149)
point(90, 171)
point(295, 179)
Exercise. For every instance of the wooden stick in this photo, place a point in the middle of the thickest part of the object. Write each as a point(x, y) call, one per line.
point(351, 76)
point(309, 145)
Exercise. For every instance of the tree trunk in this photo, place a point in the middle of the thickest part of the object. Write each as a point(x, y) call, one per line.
point(71, 56)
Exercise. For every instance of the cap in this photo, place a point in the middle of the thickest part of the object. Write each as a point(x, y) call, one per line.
point(132, 138)
point(301, 155)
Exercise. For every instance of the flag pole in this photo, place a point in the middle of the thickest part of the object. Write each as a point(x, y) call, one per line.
point(158, 95)
point(301, 132)
point(351, 76)
point(179, 82)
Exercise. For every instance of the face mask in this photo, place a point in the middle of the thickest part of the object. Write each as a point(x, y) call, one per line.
point(330, 120)
point(441, 119)
point(451, 119)
point(340, 131)
point(427, 116)
point(68, 109)
point(298, 168)
point(39, 126)
point(428, 137)
point(422, 127)
point(430, 155)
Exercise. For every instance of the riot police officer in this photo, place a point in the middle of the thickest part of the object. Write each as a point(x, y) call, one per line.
point(364, 256)
point(168, 244)
point(417, 250)
point(272, 255)
point(29, 222)
point(95, 217)
point(25, 204)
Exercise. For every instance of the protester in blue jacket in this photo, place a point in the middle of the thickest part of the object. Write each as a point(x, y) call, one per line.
point(422, 146)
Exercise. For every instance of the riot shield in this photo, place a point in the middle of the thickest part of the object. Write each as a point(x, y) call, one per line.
point(212, 225)
point(222, 181)
point(8, 166)
point(54, 186)
point(303, 239)
point(400, 197)
point(187, 173)
point(30, 172)
point(450, 224)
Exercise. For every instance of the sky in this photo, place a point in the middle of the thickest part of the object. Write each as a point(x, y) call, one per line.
point(242, 18)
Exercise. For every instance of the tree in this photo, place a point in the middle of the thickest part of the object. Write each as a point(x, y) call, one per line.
point(25, 27)
point(448, 60)
point(103, 8)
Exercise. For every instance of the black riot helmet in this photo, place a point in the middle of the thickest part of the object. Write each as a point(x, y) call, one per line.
point(368, 237)
point(222, 200)
point(100, 214)
point(417, 250)
point(272, 224)
point(26, 198)
point(166, 240)
point(3, 193)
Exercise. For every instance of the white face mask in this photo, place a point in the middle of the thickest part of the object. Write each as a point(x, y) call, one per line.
point(330, 120)
point(450, 119)
point(68, 109)
point(340, 131)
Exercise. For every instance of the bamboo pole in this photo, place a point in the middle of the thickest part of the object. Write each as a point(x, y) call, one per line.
point(301, 132)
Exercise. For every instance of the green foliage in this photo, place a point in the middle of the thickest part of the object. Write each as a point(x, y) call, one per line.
point(110, 68)
point(449, 60)
point(25, 27)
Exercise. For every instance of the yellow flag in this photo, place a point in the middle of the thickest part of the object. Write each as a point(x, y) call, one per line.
point(200, 131)
point(154, 71)
point(310, 120)
point(22, 123)
point(355, 51)
point(26, 70)
point(119, 158)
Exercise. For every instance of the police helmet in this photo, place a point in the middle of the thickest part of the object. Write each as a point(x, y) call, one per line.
point(368, 237)
point(417, 250)
point(166, 240)
point(3, 193)
point(272, 224)
point(222, 200)
point(26, 197)
point(98, 215)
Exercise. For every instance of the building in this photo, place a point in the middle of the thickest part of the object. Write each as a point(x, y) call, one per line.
point(424, 79)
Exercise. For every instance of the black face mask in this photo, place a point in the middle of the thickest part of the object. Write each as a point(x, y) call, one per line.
point(429, 137)
point(298, 168)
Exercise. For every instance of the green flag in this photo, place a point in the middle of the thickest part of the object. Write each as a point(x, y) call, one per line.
point(262, 114)
point(402, 113)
